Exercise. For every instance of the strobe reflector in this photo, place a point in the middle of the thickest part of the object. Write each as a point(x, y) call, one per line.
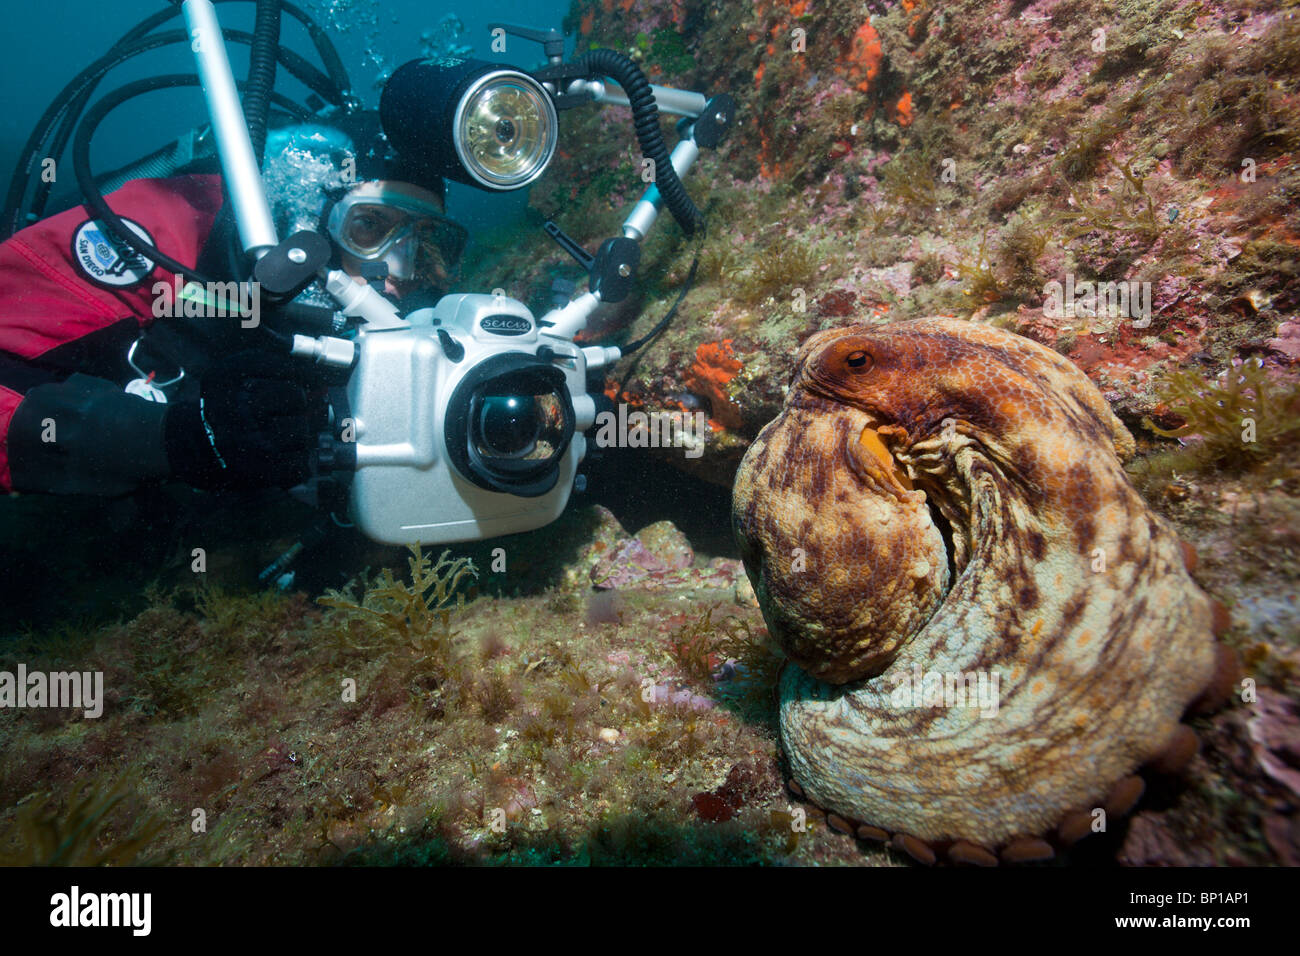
point(476, 122)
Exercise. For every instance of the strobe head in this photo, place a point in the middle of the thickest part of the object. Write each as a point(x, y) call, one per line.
point(509, 423)
point(479, 123)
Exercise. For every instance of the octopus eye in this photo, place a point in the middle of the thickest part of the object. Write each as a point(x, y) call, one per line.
point(858, 361)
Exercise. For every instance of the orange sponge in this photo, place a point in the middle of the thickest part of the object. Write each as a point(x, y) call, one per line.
point(713, 368)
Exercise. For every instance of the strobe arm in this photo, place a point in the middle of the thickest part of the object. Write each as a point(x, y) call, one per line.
point(611, 271)
point(613, 268)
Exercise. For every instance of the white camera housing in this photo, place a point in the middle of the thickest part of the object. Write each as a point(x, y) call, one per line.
point(406, 488)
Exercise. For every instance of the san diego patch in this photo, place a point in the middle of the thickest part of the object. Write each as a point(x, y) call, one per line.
point(105, 260)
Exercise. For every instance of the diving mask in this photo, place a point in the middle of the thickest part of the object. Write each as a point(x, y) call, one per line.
point(392, 221)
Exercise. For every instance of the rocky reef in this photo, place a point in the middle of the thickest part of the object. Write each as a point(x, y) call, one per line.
point(394, 721)
point(897, 160)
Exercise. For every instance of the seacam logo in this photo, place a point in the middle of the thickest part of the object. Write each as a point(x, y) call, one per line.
point(105, 259)
point(505, 325)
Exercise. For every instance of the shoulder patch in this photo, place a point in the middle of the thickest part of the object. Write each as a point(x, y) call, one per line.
point(105, 260)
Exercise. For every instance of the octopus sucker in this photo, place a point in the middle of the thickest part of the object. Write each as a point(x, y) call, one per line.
point(989, 632)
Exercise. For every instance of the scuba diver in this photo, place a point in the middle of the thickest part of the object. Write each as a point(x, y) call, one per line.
point(345, 373)
point(81, 344)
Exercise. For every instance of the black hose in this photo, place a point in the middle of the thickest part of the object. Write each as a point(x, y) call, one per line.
point(86, 180)
point(84, 81)
point(71, 101)
point(295, 64)
point(80, 90)
point(645, 115)
point(164, 162)
point(261, 73)
point(329, 54)
point(312, 78)
point(105, 214)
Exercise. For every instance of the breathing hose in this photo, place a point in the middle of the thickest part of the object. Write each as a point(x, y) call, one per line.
point(86, 181)
point(334, 87)
point(261, 73)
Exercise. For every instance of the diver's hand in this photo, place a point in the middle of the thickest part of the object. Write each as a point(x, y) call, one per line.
point(250, 428)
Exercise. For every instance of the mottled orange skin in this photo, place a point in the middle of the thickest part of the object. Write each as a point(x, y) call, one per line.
point(1021, 551)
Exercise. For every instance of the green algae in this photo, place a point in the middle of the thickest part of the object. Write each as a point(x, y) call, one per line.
point(419, 613)
point(1131, 210)
point(665, 49)
point(532, 712)
point(983, 280)
point(88, 830)
point(1236, 420)
point(786, 266)
point(909, 182)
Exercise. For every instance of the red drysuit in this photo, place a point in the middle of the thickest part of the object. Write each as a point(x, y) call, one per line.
point(71, 303)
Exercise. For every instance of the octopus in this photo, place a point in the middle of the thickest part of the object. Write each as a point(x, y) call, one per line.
point(988, 633)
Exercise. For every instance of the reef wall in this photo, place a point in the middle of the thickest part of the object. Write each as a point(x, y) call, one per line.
point(1115, 180)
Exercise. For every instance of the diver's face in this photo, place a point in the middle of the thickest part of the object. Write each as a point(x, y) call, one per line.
point(398, 225)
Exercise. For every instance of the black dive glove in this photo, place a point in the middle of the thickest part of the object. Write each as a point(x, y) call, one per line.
point(250, 428)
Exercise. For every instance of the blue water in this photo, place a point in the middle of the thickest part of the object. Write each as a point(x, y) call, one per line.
point(51, 50)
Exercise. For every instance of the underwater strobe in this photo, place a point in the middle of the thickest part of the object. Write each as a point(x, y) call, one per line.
point(475, 122)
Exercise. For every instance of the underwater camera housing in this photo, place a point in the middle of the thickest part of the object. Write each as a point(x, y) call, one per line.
point(468, 423)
